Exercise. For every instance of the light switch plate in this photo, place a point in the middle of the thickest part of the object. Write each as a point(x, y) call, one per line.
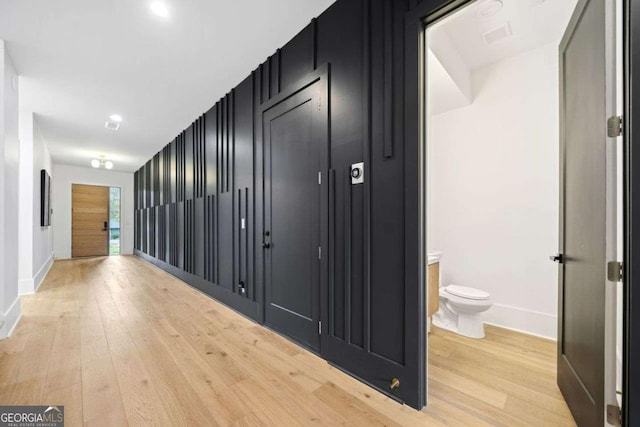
point(357, 173)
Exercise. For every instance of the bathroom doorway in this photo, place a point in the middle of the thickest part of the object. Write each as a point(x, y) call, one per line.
point(501, 80)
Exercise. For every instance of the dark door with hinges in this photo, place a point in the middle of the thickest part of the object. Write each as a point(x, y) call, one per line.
point(583, 206)
point(295, 154)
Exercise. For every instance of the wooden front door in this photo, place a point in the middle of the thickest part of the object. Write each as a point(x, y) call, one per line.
point(89, 220)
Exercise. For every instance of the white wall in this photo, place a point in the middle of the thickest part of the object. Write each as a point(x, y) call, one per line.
point(494, 190)
point(42, 236)
point(25, 205)
point(9, 178)
point(35, 246)
point(63, 177)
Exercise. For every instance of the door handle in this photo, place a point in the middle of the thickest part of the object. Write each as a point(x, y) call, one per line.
point(266, 245)
point(559, 258)
point(105, 227)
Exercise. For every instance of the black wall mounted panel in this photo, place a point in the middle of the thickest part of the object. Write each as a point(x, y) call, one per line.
point(243, 116)
point(189, 237)
point(226, 254)
point(265, 85)
point(208, 184)
point(210, 243)
point(161, 180)
point(211, 151)
point(199, 173)
point(172, 232)
point(136, 186)
point(296, 58)
point(189, 163)
point(151, 231)
point(199, 236)
point(145, 231)
point(181, 239)
point(148, 184)
point(155, 179)
point(161, 239)
point(137, 229)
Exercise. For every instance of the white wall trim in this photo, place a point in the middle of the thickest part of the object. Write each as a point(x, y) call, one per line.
point(42, 273)
point(30, 286)
point(522, 320)
point(10, 319)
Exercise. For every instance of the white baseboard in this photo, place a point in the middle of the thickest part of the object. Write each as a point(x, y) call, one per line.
point(10, 319)
point(30, 286)
point(42, 273)
point(522, 320)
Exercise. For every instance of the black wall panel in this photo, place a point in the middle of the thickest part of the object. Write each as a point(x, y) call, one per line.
point(296, 59)
point(189, 158)
point(155, 179)
point(208, 187)
point(211, 151)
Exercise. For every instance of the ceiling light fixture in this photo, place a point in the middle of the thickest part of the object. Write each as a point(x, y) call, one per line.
point(159, 9)
point(107, 164)
point(115, 118)
point(489, 8)
point(111, 125)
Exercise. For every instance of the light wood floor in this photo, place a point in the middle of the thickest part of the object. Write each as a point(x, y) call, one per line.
point(119, 342)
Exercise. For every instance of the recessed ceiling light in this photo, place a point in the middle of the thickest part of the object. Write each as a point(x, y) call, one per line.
point(488, 8)
point(116, 117)
point(112, 125)
point(95, 163)
point(159, 9)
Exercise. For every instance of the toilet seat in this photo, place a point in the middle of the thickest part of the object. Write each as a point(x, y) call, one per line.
point(467, 293)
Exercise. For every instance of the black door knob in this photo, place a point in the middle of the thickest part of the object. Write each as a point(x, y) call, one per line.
point(266, 245)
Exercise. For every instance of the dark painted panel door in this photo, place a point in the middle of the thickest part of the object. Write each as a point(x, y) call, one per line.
point(293, 153)
point(582, 277)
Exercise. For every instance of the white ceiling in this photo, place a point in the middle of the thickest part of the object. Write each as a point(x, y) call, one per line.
point(456, 46)
point(533, 23)
point(82, 60)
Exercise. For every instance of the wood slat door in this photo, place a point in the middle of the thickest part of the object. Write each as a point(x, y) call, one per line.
point(89, 220)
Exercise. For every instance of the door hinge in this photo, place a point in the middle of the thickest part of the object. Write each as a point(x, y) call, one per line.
point(319, 252)
point(614, 126)
point(319, 103)
point(614, 415)
point(614, 271)
point(320, 327)
point(319, 178)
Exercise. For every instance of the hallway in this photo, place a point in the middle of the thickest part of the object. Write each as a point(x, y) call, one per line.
point(136, 346)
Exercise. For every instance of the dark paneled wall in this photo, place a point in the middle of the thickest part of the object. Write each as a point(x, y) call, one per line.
point(194, 196)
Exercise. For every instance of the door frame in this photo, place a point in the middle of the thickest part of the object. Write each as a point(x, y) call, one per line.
point(631, 211)
point(417, 19)
point(320, 75)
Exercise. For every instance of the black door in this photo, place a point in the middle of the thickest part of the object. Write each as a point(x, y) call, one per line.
point(582, 273)
point(295, 154)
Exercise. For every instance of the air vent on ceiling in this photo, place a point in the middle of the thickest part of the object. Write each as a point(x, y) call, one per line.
point(497, 34)
point(112, 125)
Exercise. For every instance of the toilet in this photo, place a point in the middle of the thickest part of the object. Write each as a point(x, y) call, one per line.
point(461, 310)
